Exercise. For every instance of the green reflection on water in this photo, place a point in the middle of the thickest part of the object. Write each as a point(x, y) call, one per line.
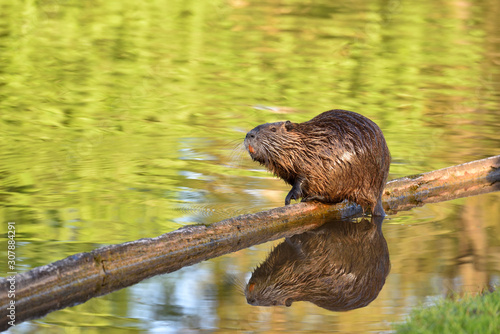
point(122, 120)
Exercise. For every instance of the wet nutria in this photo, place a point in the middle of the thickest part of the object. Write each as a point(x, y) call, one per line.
point(337, 155)
point(340, 266)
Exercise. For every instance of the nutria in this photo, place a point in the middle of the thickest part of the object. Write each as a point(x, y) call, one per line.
point(340, 266)
point(337, 155)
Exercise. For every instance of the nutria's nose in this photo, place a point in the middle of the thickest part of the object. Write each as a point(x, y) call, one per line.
point(251, 134)
point(251, 301)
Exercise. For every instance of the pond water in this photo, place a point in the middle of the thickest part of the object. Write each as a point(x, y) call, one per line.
point(121, 120)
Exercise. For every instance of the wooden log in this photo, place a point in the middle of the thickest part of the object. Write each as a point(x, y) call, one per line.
point(468, 179)
point(82, 276)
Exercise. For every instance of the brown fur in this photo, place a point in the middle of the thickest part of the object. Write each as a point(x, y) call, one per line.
point(340, 266)
point(336, 155)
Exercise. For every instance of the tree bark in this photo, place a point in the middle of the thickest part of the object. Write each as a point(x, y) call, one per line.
point(82, 276)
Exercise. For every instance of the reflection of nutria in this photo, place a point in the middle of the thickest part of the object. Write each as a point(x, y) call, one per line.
point(340, 266)
point(336, 155)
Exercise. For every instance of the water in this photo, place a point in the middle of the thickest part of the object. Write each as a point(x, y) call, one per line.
point(121, 120)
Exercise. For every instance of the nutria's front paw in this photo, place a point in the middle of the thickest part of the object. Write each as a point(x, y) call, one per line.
point(293, 194)
point(296, 192)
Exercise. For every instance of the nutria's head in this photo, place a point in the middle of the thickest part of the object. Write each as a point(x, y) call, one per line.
point(266, 288)
point(274, 145)
point(261, 142)
point(270, 295)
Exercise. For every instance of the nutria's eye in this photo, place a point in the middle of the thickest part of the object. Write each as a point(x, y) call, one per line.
point(288, 125)
point(288, 302)
point(273, 129)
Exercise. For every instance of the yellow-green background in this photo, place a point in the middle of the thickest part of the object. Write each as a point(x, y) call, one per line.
point(121, 120)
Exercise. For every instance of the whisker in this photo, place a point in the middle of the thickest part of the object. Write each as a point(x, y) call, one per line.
point(237, 282)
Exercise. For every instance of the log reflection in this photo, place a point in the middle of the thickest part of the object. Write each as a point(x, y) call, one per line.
point(339, 266)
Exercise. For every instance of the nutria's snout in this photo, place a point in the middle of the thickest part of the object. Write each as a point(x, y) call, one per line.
point(249, 146)
point(249, 141)
point(251, 134)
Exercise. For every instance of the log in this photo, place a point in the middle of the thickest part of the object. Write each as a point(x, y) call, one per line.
point(82, 276)
point(468, 179)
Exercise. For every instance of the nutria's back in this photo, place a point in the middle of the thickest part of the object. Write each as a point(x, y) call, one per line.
point(337, 155)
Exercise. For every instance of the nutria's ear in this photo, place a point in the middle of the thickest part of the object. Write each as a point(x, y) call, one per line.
point(289, 125)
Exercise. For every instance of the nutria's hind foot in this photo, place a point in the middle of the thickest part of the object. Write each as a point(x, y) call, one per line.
point(378, 209)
